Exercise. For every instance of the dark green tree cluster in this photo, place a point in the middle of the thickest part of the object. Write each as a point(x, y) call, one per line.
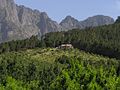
point(17, 45)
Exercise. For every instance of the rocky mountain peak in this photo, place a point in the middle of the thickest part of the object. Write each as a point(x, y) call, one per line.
point(44, 14)
point(69, 23)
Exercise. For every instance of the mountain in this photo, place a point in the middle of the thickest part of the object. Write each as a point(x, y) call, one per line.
point(69, 23)
point(20, 22)
point(36, 20)
point(98, 20)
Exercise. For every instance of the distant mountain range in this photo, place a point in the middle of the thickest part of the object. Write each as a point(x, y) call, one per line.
point(98, 20)
point(19, 22)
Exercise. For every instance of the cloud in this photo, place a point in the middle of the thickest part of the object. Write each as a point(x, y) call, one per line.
point(118, 4)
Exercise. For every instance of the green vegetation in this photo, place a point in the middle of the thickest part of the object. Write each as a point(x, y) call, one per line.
point(54, 69)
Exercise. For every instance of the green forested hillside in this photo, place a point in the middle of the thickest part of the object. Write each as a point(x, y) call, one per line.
point(103, 40)
point(54, 69)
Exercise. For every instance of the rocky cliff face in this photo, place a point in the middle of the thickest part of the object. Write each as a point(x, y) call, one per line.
point(9, 23)
point(35, 22)
point(47, 25)
point(98, 20)
point(19, 22)
point(8, 11)
point(28, 20)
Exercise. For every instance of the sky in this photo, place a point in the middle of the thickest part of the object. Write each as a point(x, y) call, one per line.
point(79, 9)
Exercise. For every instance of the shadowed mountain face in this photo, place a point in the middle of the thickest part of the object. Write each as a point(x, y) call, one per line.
point(19, 22)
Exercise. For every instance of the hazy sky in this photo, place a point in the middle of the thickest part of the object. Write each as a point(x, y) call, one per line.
point(80, 9)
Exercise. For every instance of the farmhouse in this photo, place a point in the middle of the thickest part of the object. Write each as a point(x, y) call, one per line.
point(65, 46)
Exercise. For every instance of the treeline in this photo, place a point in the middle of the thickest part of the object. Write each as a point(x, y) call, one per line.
point(17, 45)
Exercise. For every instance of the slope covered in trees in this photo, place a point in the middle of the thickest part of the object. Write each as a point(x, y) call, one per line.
point(54, 69)
point(103, 40)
